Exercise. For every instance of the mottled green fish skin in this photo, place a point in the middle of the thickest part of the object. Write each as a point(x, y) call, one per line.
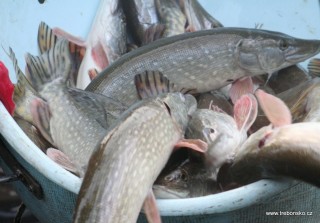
point(204, 60)
point(131, 156)
point(171, 15)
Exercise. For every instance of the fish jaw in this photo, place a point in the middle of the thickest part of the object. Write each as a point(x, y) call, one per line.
point(270, 54)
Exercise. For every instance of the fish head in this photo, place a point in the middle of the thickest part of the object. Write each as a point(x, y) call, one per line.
point(217, 129)
point(271, 51)
point(180, 107)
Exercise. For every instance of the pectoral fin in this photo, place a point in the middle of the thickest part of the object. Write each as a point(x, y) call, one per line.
point(41, 117)
point(245, 112)
point(150, 208)
point(61, 159)
point(241, 87)
point(314, 66)
point(195, 144)
point(274, 108)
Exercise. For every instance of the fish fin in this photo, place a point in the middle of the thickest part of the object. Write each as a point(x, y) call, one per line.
point(153, 33)
point(314, 67)
point(46, 38)
point(195, 144)
point(216, 108)
point(53, 64)
point(241, 87)
point(61, 159)
point(274, 108)
point(150, 208)
point(71, 38)
point(99, 56)
point(152, 83)
point(77, 54)
point(93, 73)
point(6, 89)
point(23, 90)
point(41, 118)
point(131, 46)
point(190, 28)
point(245, 111)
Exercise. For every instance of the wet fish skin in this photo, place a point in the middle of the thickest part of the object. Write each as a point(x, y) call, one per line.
point(290, 151)
point(79, 119)
point(287, 78)
point(141, 15)
point(204, 60)
point(198, 18)
point(221, 133)
point(190, 179)
point(129, 159)
point(171, 15)
point(215, 98)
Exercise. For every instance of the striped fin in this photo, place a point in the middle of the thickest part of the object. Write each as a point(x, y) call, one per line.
point(55, 63)
point(152, 83)
point(23, 91)
point(314, 66)
point(46, 38)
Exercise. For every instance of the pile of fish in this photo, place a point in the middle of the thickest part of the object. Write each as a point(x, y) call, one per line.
point(193, 109)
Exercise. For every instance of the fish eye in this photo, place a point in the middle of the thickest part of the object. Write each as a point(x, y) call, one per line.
point(211, 130)
point(283, 45)
point(184, 176)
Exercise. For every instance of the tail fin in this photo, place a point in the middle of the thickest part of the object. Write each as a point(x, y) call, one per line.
point(53, 64)
point(46, 38)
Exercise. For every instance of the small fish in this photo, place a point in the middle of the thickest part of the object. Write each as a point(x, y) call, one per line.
point(190, 179)
point(6, 89)
point(198, 18)
point(171, 15)
point(121, 172)
point(71, 119)
point(222, 132)
point(278, 150)
point(205, 60)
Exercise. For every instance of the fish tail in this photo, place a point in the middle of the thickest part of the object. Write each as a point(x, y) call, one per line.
point(54, 63)
point(46, 38)
point(314, 66)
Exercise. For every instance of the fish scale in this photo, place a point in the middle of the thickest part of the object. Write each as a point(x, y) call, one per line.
point(222, 55)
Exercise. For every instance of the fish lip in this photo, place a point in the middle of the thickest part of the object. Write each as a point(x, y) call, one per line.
point(302, 50)
point(158, 190)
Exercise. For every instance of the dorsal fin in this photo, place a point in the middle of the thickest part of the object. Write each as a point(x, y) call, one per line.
point(46, 38)
point(152, 83)
point(54, 63)
point(314, 66)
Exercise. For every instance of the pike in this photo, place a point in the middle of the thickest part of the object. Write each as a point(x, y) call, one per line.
point(190, 179)
point(71, 119)
point(205, 60)
point(171, 15)
point(105, 43)
point(130, 157)
point(141, 16)
point(198, 18)
point(222, 132)
point(281, 149)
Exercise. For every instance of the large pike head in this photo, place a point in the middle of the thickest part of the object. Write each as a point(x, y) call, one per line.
point(267, 51)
